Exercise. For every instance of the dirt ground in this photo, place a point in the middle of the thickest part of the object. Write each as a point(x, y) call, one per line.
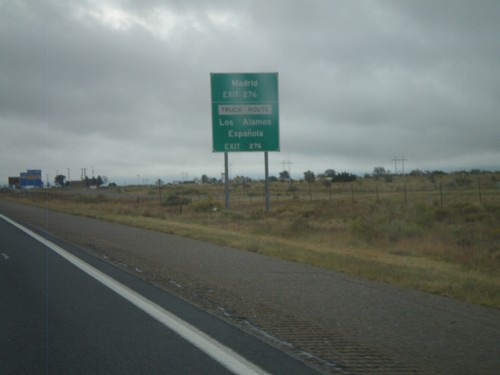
point(335, 322)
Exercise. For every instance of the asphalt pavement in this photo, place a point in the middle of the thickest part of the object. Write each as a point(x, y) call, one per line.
point(67, 317)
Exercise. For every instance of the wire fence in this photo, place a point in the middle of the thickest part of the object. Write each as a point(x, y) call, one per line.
point(439, 194)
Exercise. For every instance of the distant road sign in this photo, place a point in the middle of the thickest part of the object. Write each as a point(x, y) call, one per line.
point(245, 112)
point(31, 178)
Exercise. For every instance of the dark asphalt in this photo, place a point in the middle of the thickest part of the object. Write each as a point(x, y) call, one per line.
point(341, 324)
point(56, 319)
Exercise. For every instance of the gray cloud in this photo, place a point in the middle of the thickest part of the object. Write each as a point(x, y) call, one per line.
point(124, 86)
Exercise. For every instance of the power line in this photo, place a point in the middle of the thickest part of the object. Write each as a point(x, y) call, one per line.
point(403, 159)
point(397, 159)
point(286, 162)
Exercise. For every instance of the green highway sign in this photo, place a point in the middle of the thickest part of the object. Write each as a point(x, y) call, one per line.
point(245, 112)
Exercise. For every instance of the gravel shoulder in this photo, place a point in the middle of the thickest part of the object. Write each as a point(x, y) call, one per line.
point(336, 322)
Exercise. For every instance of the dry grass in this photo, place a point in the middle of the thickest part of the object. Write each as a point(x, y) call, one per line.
point(410, 240)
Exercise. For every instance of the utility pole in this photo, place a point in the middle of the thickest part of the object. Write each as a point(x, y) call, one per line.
point(84, 174)
point(403, 159)
point(159, 188)
point(284, 163)
point(395, 160)
point(68, 177)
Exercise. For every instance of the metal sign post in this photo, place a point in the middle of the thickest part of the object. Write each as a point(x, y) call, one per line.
point(226, 180)
point(266, 162)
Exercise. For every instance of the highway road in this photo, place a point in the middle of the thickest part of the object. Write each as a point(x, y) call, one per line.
point(331, 321)
point(63, 311)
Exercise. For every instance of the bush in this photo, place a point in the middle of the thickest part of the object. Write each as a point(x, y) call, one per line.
point(84, 198)
point(176, 200)
point(398, 229)
point(392, 222)
point(206, 205)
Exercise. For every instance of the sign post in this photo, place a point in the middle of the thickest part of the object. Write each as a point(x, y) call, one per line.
point(245, 115)
point(226, 180)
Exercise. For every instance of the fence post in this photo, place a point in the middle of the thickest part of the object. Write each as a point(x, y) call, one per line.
point(441, 192)
point(479, 190)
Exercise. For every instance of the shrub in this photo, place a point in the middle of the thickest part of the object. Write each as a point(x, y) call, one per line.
point(392, 222)
point(398, 229)
point(205, 205)
point(84, 198)
point(465, 208)
point(176, 200)
point(441, 214)
point(364, 228)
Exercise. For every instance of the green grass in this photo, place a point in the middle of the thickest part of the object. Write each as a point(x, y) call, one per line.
point(364, 229)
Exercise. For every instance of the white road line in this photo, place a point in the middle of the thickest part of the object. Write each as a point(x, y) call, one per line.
point(220, 353)
point(5, 256)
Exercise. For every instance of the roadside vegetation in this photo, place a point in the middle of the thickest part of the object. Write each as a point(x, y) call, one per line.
point(438, 233)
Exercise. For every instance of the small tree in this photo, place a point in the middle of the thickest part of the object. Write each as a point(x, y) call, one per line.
point(284, 176)
point(99, 181)
point(379, 172)
point(59, 180)
point(309, 177)
point(330, 173)
point(345, 177)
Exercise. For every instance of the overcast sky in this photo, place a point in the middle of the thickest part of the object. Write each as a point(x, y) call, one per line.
point(123, 87)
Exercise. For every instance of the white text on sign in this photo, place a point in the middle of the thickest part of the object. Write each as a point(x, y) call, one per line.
point(231, 146)
point(240, 109)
